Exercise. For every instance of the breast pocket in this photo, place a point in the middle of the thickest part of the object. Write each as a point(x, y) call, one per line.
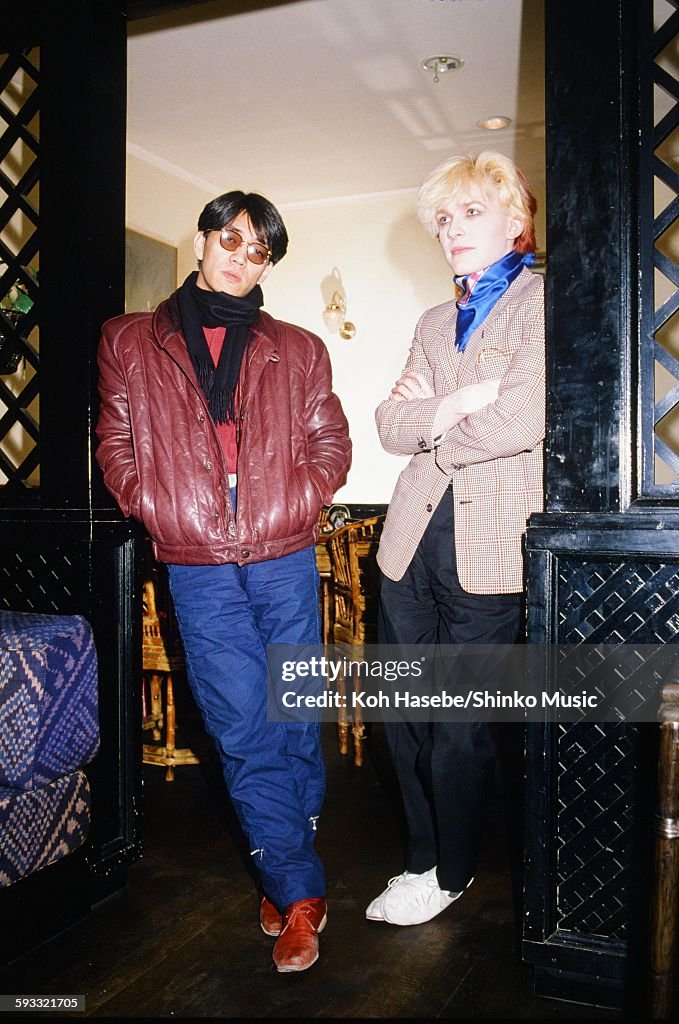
point(492, 364)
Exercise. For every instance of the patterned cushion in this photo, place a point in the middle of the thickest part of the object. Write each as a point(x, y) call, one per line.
point(40, 826)
point(48, 697)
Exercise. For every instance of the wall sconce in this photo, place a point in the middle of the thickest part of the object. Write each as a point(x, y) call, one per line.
point(333, 315)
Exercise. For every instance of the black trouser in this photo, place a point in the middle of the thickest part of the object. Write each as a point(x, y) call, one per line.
point(445, 769)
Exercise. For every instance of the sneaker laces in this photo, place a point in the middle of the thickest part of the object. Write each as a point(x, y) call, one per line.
point(398, 878)
point(423, 896)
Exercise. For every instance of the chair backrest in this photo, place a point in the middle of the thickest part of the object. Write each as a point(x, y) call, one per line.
point(354, 570)
point(161, 652)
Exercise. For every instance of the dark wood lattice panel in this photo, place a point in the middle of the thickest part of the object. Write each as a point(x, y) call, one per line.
point(627, 617)
point(660, 253)
point(48, 579)
point(605, 603)
point(621, 602)
point(595, 812)
point(19, 265)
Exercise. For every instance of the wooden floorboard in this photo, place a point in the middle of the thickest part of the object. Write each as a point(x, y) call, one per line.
point(183, 941)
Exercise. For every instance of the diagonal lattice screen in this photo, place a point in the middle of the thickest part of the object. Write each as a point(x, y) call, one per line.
point(607, 603)
point(660, 368)
point(19, 265)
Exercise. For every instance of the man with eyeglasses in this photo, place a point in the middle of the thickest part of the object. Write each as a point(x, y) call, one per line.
point(220, 432)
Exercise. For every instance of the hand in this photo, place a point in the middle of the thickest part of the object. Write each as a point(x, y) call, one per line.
point(411, 386)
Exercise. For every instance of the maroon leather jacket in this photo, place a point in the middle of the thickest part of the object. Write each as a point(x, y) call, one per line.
point(161, 456)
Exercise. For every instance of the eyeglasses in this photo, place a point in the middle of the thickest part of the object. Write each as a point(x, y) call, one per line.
point(230, 239)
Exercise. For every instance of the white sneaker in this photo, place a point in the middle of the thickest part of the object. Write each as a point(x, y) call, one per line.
point(375, 909)
point(417, 899)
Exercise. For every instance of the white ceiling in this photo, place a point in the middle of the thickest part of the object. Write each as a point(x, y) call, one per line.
point(314, 99)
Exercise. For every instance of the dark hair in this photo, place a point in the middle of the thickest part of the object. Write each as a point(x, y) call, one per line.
point(263, 215)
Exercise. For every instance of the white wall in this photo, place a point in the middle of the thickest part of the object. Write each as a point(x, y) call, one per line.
point(163, 206)
point(390, 269)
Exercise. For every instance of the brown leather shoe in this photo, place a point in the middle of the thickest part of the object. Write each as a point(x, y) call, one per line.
point(270, 918)
point(297, 946)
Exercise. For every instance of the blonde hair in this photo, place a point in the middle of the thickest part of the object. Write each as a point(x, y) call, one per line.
point(487, 170)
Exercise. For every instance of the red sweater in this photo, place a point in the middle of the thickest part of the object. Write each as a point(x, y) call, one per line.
point(227, 431)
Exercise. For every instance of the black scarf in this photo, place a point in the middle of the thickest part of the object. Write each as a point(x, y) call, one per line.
point(200, 308)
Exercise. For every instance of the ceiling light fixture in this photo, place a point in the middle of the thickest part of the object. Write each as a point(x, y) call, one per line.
point(441, 64)
point(495, 123)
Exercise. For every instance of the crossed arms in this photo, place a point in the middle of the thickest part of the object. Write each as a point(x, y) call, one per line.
point(492, 418)
point(454, 407)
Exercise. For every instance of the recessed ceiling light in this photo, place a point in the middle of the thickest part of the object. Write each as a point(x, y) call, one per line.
point(493, 124)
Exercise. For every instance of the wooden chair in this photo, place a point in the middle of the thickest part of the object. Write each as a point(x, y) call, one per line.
point(325, 573)
point(329, 519)
point(162, 657)
point(352, 551)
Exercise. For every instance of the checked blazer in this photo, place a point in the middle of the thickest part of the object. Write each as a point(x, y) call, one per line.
point(493, 458)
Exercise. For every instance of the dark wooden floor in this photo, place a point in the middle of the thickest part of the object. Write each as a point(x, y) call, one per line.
point(183, 939)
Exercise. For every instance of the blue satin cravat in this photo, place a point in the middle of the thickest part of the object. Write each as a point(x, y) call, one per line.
point(488, 289)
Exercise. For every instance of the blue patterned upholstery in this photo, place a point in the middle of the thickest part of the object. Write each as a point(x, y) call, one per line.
point(39, 826)
point(48, 730)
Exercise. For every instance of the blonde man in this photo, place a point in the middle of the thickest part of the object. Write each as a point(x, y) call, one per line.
point(469, 411)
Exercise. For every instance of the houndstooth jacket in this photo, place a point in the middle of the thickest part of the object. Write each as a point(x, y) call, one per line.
point(493, 457)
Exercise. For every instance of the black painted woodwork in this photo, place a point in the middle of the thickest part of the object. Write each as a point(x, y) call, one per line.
point(657, 232)
point(590, 317)
point(589, 788)
point(603, 559)
point(65, 547)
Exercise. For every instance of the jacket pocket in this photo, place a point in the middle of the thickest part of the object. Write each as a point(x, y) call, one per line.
point(494, 366)
point(311, 496)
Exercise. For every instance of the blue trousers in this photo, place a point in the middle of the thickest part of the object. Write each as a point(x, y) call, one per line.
point(274, 771)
